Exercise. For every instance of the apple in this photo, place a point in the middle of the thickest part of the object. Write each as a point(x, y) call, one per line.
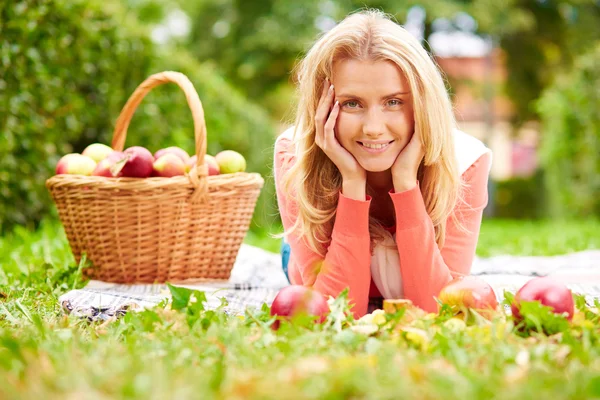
point(168, 165)
point(213, 166)
point(296, 300)
point(75, 164)
point(97, 151)
point(470, 292)
point(547, 291)
point(178, 151)
point(138, 163)
point(230, 162)
point(108, 167)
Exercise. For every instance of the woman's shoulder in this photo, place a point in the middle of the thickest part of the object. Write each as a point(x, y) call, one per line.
point(284, 156)
point(468, 150)
point(284, 142)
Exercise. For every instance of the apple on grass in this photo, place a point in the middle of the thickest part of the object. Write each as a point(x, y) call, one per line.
point(296, 300)
point(178, 151)
point(549, 292)
point(213, 167)
point(470, 292)
point(75, 164)
point(168, 165)
point(230, 162)
point(97, 151)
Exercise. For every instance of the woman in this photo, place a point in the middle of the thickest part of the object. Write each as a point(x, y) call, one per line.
point(377, 189)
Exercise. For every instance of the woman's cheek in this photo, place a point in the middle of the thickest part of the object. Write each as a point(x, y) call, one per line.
point(346, 126)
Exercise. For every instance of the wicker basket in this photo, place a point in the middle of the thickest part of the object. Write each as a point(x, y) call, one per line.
point(157, 229)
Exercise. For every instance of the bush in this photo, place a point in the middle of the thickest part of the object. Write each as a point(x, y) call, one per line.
point(67, 66)
point(520, 198)
point(70, 66)
point(571, 139)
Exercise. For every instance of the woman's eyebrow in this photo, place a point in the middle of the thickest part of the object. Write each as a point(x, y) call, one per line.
point(383, 97)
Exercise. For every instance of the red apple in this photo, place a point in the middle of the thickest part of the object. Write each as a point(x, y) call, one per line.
point(296, 300)
point(107, 166)
point(213, 167)
point(168, 165)
point(470, 292)
point(547, 291)
point(97, 151)
point(75, 164)
point(230, 162)
point(178, 151)
point(138, 163)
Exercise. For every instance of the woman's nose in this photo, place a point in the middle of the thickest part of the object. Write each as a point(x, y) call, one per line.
point(373, 124)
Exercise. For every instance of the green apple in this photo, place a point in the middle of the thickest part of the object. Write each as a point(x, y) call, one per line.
point(75, 164)
point(97, 151)
point(230, 162)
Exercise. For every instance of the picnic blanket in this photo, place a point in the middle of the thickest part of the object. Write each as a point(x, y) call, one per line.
point(257, 277)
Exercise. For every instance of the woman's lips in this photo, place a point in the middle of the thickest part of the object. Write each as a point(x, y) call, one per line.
point(375, 148)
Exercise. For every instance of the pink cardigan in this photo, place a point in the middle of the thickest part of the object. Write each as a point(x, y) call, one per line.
point(425, 268)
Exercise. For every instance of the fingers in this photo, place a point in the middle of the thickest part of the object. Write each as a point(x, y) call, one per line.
point(323, 110)
point(328, 131)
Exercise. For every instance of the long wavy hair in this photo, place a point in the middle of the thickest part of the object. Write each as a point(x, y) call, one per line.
point(314, 181)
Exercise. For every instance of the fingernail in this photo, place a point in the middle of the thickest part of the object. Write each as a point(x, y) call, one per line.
point(337, 103)
point(331, 88)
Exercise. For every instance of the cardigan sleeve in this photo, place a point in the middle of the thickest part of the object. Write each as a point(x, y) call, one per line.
point(347, 261)
point(425, 268)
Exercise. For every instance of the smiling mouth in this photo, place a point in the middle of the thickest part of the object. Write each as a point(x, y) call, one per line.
point(375, 147)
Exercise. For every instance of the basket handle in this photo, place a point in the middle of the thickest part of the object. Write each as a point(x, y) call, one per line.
point(199, 173)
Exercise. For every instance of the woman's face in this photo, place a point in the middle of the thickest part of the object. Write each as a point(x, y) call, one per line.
point(376, 118)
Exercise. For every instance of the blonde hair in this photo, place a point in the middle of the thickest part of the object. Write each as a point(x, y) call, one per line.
point(315, 181)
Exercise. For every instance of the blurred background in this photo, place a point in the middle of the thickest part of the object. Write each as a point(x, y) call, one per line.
point(523, 75)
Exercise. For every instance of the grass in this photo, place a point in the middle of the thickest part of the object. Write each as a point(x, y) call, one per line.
point(196, 353)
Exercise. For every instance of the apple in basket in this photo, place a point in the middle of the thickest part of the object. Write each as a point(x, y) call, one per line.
point(470, 292)
point(75, 164)
point(230, 162)
point(168, 165)
point(178, 151)
point(297, 300)
point(138, 163)
point(213, 167)
point(97, 151)
point(108, 165)
point(547, 291)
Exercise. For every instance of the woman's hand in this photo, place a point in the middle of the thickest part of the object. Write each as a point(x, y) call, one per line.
point(354, 176)
point(406, 166)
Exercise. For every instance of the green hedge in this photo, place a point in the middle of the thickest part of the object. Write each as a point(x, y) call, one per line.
point(520, 198)
point(570, 151)
point(68, 68)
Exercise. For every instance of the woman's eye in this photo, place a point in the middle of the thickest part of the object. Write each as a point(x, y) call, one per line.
point(394, 102)
point(351, 104)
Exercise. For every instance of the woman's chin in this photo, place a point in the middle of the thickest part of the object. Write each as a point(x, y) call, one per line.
point(376, 166)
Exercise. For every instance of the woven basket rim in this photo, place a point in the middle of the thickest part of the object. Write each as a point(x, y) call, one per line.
point(244, 178)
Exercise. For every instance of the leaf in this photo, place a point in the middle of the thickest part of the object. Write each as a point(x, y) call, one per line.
point(339, 312)
point(181, 297)
point(540, 318)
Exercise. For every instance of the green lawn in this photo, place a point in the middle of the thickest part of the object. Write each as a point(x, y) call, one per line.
point(192, 353)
